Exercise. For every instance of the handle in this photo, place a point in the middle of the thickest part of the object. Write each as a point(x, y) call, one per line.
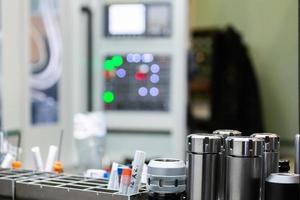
point(88, 12)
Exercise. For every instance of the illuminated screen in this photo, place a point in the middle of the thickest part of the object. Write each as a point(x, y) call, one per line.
point(127, 19)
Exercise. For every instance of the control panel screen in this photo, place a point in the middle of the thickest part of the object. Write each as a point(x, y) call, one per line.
point(127, 19)
point(148, 20)
point(137, 82)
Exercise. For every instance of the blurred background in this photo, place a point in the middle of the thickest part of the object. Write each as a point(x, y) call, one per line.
point(120, 75)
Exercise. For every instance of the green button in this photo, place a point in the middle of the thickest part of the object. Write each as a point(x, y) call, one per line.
point(108, 97)
point(109, 65)
point(117, 60)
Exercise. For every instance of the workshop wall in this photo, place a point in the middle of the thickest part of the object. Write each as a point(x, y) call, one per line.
point(270, 29)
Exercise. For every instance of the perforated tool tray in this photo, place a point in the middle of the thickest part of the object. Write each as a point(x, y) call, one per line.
point(30, 185)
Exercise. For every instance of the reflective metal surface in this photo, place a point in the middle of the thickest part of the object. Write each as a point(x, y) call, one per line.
point(203, 162)
point(244, 178)
point(202, 177)
point(224, 133)
point(245, 146)
point(272, 141)
point(271, 152)
point(244, 173)
point(204, 143)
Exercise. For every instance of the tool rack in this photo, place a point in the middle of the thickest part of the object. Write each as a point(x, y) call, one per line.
point(31, 185)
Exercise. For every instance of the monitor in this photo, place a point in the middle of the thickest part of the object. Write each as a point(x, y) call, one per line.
point(126, 19)
point(138, 19)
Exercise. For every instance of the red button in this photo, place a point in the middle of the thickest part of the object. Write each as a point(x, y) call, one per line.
point(140, 76)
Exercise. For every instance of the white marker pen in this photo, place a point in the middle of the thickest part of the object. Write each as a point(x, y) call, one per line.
point(52, 155)
point(37, 158)
point(7, 161)
point(144, 174)
point(137, 170)
point(2, 141)
point(113, 183)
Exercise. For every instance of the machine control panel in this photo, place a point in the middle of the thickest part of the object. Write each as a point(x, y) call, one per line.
point(138, 19)
point(137, 82)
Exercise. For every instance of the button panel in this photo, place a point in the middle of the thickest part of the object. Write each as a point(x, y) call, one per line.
point(137, 81)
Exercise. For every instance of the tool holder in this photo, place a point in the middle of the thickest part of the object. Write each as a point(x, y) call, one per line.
point(24, 185)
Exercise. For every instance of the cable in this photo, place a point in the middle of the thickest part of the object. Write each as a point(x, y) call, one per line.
point(50, 76)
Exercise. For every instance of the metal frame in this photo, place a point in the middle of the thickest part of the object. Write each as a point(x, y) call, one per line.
point(23, 184)
point(7, 182)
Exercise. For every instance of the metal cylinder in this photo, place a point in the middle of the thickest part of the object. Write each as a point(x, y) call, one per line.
point(166, 176)
point(202, 159)
point(224, 133)
point(282, 186)
point(271, 152)
point(244, 168)
point(297, 154)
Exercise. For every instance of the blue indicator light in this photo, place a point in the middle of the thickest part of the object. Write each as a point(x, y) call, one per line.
point(154, 91)
point(143, 91)
point(154, 78)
